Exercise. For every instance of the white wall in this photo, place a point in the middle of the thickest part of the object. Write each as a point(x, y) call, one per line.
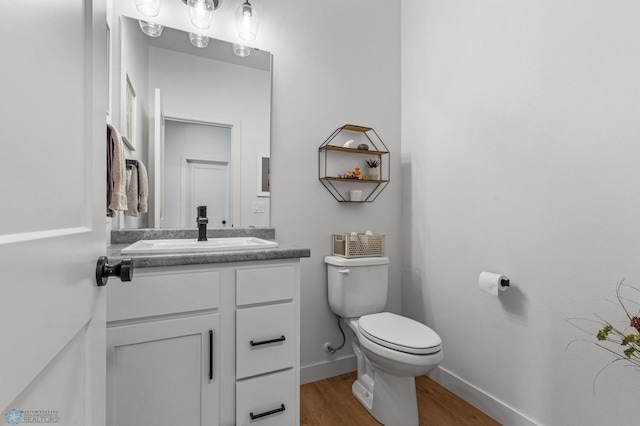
point(135, 56)
point(335, 63)
point(520, 124)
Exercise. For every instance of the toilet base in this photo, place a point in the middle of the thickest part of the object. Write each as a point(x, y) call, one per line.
point(363, 395)
point(393, 401)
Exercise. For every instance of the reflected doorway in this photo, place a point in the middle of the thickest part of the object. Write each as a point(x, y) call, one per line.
point(197, 164)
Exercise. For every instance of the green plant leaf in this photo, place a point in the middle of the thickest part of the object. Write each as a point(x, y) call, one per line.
point(604, 333)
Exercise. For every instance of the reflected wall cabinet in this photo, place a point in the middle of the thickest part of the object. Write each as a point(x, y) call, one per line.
point(343, 168)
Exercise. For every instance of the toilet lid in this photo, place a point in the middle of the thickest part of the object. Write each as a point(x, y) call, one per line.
point(399, 333)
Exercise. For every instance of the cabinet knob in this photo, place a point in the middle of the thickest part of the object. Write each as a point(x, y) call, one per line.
point(104, 270)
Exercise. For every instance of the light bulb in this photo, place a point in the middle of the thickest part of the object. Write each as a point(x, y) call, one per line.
point(148, 7)
point(201, 13)
point(199, 40)
point(247, 21)
point(240, 50)
point(151, 29)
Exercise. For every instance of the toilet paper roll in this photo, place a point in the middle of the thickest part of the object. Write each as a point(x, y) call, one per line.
point(492, 283)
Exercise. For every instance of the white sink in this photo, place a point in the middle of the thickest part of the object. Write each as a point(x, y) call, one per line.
point(177, 246)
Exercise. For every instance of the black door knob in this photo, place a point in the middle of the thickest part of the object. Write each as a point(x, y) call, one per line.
point(104, 270)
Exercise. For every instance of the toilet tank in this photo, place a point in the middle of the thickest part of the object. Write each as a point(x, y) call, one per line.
point(357, 286)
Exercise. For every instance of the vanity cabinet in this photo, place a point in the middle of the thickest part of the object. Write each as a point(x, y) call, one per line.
point(213, 344)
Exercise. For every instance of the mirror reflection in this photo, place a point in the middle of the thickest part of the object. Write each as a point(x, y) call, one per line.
point(200, 119)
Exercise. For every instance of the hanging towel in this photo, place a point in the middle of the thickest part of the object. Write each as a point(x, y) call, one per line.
point(116, 174)
point(143, 188)
point(132, 193)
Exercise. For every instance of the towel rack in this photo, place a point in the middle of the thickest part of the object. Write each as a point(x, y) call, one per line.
point(130, 163)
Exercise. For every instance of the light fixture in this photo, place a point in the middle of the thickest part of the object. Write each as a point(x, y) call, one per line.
point(240, 50)
point(201, 12)
point(199, 40)
point(201, 15)
point(151, 29)
point(148, 7)
point(247, 21)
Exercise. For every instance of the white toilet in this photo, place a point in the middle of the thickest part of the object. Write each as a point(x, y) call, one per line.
point(390, 349)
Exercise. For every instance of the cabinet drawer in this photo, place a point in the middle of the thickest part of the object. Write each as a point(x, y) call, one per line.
point(258, 285)
point(161, 293)
point(265, 339)
point(270, 399)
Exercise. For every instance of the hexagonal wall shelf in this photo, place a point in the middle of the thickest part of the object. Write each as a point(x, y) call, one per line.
point(342, 164)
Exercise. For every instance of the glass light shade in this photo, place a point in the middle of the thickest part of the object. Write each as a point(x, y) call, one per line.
point(247, 21)
point(201, 13)
point(151, 29)
point(148, 7)
point(240, 50)
point(199, 40)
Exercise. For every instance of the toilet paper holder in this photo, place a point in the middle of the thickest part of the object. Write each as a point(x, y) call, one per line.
point(493, 283)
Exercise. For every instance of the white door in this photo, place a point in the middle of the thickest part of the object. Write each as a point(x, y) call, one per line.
point(156, 212)
point(52, 220)
point(206, 183)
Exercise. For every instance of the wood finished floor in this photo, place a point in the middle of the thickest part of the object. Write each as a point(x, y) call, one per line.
point(329, 402)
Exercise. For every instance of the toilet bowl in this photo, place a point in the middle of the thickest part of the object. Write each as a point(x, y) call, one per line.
point(390, 349)
point(386, 371)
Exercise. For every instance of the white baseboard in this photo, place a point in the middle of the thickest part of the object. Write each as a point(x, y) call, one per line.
point(324, 370)
point(486, 403)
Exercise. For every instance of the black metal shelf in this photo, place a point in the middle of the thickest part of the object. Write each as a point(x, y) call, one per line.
point(330, 156)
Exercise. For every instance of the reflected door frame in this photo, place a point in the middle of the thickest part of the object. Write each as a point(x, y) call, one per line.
point(235, 188)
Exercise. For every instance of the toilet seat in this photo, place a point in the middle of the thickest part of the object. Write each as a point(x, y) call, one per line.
point(399, 333)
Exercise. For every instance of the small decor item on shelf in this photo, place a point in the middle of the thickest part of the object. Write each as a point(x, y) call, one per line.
point(373, 168)
point(355, 195)
point(363, 147)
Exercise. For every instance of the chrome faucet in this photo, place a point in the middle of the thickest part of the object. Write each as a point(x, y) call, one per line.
point(202, 221)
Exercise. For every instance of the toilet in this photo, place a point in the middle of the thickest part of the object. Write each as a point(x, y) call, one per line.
point(390, 350)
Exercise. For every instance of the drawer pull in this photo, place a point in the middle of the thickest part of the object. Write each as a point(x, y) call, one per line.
point(267, 413)
point(266, 342)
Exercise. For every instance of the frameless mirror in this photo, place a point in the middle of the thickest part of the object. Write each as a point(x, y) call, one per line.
point(200, 120)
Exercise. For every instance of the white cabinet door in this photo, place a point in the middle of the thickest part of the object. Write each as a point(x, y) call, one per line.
point(164, 372)
point(52, 227)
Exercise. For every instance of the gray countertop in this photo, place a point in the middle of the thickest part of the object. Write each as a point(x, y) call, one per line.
point(124, 237)
point(148, 261)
